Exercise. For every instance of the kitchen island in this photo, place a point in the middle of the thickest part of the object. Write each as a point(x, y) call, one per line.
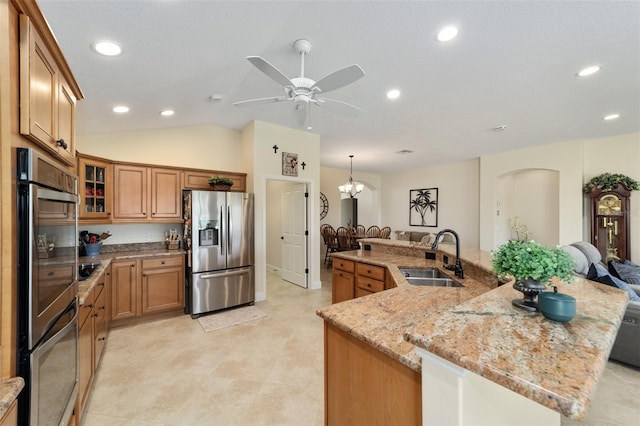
point(474, 328)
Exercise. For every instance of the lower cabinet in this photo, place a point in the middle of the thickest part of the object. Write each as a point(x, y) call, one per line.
point(355, 279)
point(142, 286)
point(10, 417)
point(91, 338)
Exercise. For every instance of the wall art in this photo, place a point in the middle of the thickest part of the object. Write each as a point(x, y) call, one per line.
point(423, 207)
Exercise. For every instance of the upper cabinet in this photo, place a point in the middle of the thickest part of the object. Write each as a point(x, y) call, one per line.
point(95, 188)
point(199, 179)
point(143, 193)
point(47, 99)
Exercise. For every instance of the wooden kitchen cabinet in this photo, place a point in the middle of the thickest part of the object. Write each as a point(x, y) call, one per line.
point(124, 288)
point(199, 179)
point(162, 284)
point(95, 188)
point(48, 101)
point(146, 285)
point(342, 280)
point(10, 417)
point(146, 193)
point(92, 337)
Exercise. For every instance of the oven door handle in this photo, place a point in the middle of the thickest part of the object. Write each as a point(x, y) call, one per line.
point(60, 334)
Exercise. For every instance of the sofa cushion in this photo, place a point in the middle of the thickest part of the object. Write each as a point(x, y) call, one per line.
point(589, 250)
point(581, 264)
point(417, 236)
point(403, 236)
point(625, 272)
point(599, 273)
point(426, 239)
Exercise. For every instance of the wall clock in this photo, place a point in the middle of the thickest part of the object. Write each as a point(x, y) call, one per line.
point(324, 206)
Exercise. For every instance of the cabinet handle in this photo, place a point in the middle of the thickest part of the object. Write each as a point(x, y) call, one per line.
point(90, 306)
point(50, 274)
point(108, 213)
point(95, 315)
point(102, 338)
point(144, 275)
point(102, 307)
point(162, 262)
point(133, 265)
point(153, 213)
point(144, 213)
point(101, 284)
point(62, 143)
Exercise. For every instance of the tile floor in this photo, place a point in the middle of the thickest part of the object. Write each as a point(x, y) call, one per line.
point(269, 372)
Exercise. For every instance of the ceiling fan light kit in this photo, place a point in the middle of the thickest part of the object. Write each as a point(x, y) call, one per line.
point(304, 91)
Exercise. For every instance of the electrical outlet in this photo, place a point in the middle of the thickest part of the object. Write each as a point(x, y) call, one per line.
point(429, 255)
point(445, 259)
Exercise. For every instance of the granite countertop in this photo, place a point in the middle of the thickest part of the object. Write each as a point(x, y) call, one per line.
point(382, 318)
point(105, 259)
point(9, 390)
point(476, 327)
point(557, 365)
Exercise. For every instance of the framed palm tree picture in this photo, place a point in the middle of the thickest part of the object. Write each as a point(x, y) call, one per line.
point(423, 207)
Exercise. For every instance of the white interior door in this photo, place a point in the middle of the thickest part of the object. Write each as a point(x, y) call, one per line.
point(294, 230)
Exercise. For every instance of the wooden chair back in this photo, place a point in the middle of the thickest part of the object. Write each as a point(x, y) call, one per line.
point(385, 232)
point(361, 230)
point(344, 238)
point(373, 231)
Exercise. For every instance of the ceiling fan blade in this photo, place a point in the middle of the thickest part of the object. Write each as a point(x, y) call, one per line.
point(260, 101)
point(271, 71)
point(339, 78)
point(339, 107)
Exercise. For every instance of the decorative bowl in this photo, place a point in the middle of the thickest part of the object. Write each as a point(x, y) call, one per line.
point(556, 306)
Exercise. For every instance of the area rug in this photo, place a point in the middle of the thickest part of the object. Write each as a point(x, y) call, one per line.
point(220, 320)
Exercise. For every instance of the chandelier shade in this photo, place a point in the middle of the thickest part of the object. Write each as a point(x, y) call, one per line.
point(350, 188)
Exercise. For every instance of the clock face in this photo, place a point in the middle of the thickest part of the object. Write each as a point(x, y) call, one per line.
point(324, 206)
point(610, 205)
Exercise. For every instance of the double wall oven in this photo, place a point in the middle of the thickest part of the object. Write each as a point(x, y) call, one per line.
point(47, 290)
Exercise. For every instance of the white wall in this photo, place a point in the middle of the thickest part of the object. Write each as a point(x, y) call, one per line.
point(458, 198)
point(258, 139)
point(566, 158)
point(274, 223)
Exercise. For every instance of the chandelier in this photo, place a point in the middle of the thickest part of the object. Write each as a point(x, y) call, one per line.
point(350, 188)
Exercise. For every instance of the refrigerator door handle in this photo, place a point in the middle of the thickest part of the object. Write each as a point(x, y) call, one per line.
point(226, 274)
point(230, 233)
point(222, 231)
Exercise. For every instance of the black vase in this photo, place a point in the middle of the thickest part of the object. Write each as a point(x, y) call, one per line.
point(530, 288)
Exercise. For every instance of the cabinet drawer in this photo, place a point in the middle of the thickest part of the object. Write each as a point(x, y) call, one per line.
point(56, 272)
point(360, 292)
point(369, 284)
point(100, 309)
point(86, 308)
point(344, 265)
point(162, 262)
point(370, 271)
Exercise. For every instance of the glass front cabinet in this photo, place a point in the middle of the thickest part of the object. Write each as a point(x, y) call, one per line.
point(94, 188)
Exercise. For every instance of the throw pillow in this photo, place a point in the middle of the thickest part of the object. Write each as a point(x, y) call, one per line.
point(404, 236)
point(581, 265)
point(599, 273)
point(625, 272)
point(589, 250)
point(426, 239)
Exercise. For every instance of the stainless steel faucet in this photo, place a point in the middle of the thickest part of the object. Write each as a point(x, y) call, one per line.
point(457, 267)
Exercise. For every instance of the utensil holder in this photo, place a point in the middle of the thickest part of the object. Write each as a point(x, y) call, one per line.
point(92, 249)
point(173, 245)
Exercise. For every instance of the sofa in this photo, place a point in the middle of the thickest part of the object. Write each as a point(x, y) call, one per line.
point(423, 237)
point(588, 264)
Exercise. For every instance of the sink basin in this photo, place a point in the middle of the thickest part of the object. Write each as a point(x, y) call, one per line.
point(428, 277)
point(423, 273)
point(85, 270)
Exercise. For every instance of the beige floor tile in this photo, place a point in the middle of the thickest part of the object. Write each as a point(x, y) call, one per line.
point(268, 372)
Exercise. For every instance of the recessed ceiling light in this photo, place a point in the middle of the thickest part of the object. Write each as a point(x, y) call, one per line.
point(588, 71)
point(106, 48)
point(447, 33)
point(500, 128)
point(167, 112)
point(121, 109)
point(404, 151)
point(393, 94)
point(611, 117)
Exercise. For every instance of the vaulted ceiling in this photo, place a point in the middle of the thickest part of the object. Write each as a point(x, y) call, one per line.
point(513, 64)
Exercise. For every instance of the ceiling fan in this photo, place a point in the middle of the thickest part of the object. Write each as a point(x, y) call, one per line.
point(305, 91)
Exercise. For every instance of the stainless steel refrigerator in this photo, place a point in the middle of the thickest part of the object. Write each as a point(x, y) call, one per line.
point(218, 238)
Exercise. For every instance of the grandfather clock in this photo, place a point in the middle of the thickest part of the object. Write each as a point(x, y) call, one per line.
point(610, 222)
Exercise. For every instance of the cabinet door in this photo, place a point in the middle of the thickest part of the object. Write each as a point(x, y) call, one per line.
point(38, 87)
point(162, 289)
point(123, 289)
point(94, 187)
point(130, 192)
point(166, 193)
point(199, 179)
point(99, 327)
point(85, 363)
point(66, 137)
point(342, 285)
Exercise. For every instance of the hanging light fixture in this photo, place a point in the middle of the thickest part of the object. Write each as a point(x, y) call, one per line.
point(350, 188)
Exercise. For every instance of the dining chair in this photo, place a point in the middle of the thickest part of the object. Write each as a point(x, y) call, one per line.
point(344, 239)
point(385, 232)
point(360, 230)
point(373, 231)
point(331, 241)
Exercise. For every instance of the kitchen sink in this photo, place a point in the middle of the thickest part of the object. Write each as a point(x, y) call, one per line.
point(85, 270)
point(428, 277)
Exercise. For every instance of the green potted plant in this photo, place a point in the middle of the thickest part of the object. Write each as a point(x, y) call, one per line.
point(532, 265)
point(609, 181)
point(220, 184)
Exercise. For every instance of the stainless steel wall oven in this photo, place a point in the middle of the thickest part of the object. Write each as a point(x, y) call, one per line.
point(47, 314)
